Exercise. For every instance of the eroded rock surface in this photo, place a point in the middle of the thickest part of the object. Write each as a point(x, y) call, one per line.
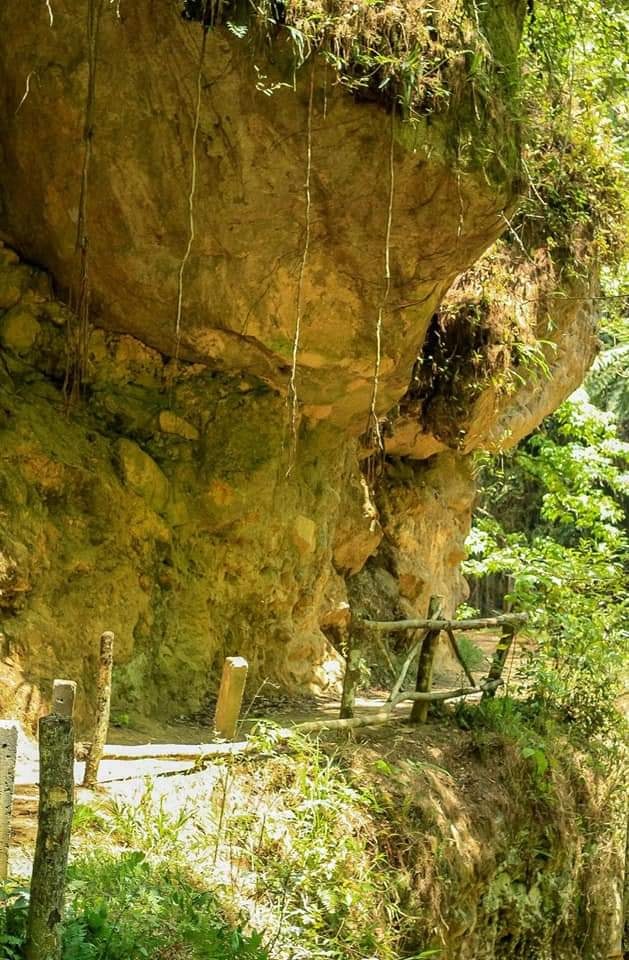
point(240, 281)
point(171, 499)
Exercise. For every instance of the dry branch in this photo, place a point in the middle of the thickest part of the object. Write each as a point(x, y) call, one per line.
point(173, 751)
point(230, 697)
point(351, 678)
point(499, 660)
point(205, 751)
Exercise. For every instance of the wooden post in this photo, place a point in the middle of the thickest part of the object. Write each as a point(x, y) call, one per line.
point(63, 694)
point(499, 659)
point(230, 697)
point(419, 713)
point(351, 678)
point(8, 753)
point(502, 650)
point(56, 802)
point(103, 707)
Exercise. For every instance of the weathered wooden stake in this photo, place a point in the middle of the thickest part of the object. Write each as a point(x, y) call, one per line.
point(56, 802)
point(230, 697)
point(63, 695)
point(419, 713)
point(8, 752)
point(351, 678)
point(103, 707)
point(500, 658)
point(502, 650)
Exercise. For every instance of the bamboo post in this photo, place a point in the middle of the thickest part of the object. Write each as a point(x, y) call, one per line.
point(63, 695)
point(230, 697)
point(8, 753)
point(103, 707)
point(419, 713)
point(351, 678)
point(56, 802)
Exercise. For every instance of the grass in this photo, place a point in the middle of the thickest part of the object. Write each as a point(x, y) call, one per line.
point(344, 851)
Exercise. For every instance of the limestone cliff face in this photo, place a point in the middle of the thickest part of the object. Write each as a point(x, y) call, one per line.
point(240, 282)
point(167, 503)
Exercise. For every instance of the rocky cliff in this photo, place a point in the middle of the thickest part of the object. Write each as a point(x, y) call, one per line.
point(223, 277)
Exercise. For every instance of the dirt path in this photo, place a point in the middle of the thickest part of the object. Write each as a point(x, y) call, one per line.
point(122, 778)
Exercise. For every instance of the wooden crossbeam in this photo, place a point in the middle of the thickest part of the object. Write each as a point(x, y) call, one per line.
point(395, 626)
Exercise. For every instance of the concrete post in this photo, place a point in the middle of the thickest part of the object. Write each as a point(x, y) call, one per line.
point(230, 697)
point(63, 695)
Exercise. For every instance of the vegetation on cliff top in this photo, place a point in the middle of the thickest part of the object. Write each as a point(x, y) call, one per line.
point(345, 851)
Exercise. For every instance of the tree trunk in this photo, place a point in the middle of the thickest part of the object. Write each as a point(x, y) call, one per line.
point(56, 802)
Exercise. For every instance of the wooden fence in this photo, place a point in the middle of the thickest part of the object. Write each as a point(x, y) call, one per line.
point(57, 746)
point(425, 637)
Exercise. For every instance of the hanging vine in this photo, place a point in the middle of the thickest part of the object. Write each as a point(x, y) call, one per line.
point(293, 400)
point(78, 331)
point(374, 431)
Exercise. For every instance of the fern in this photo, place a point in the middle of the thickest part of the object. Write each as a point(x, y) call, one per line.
point(608, 381)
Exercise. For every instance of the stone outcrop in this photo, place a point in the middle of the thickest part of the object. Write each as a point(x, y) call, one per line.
point(240, 280)
point(171, 499)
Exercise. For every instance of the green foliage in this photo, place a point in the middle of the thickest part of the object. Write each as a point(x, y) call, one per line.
point(123, 907)
point(608, 381)
point(139, 904)
point(471, 653)
point(13, 916)
point(569, 553)
point(332, 890)
point(575, 68)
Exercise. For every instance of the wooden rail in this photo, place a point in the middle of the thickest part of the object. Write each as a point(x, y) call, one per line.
point(425, 642)
point(395, 626)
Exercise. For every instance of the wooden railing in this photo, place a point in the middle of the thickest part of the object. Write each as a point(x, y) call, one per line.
point(424, 647)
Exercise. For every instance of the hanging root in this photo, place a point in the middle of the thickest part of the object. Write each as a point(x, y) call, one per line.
point(76, 363)
point(207, 23)
point(293, 401)
point(50, 13)
point(374, 432)
point(27, 91)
